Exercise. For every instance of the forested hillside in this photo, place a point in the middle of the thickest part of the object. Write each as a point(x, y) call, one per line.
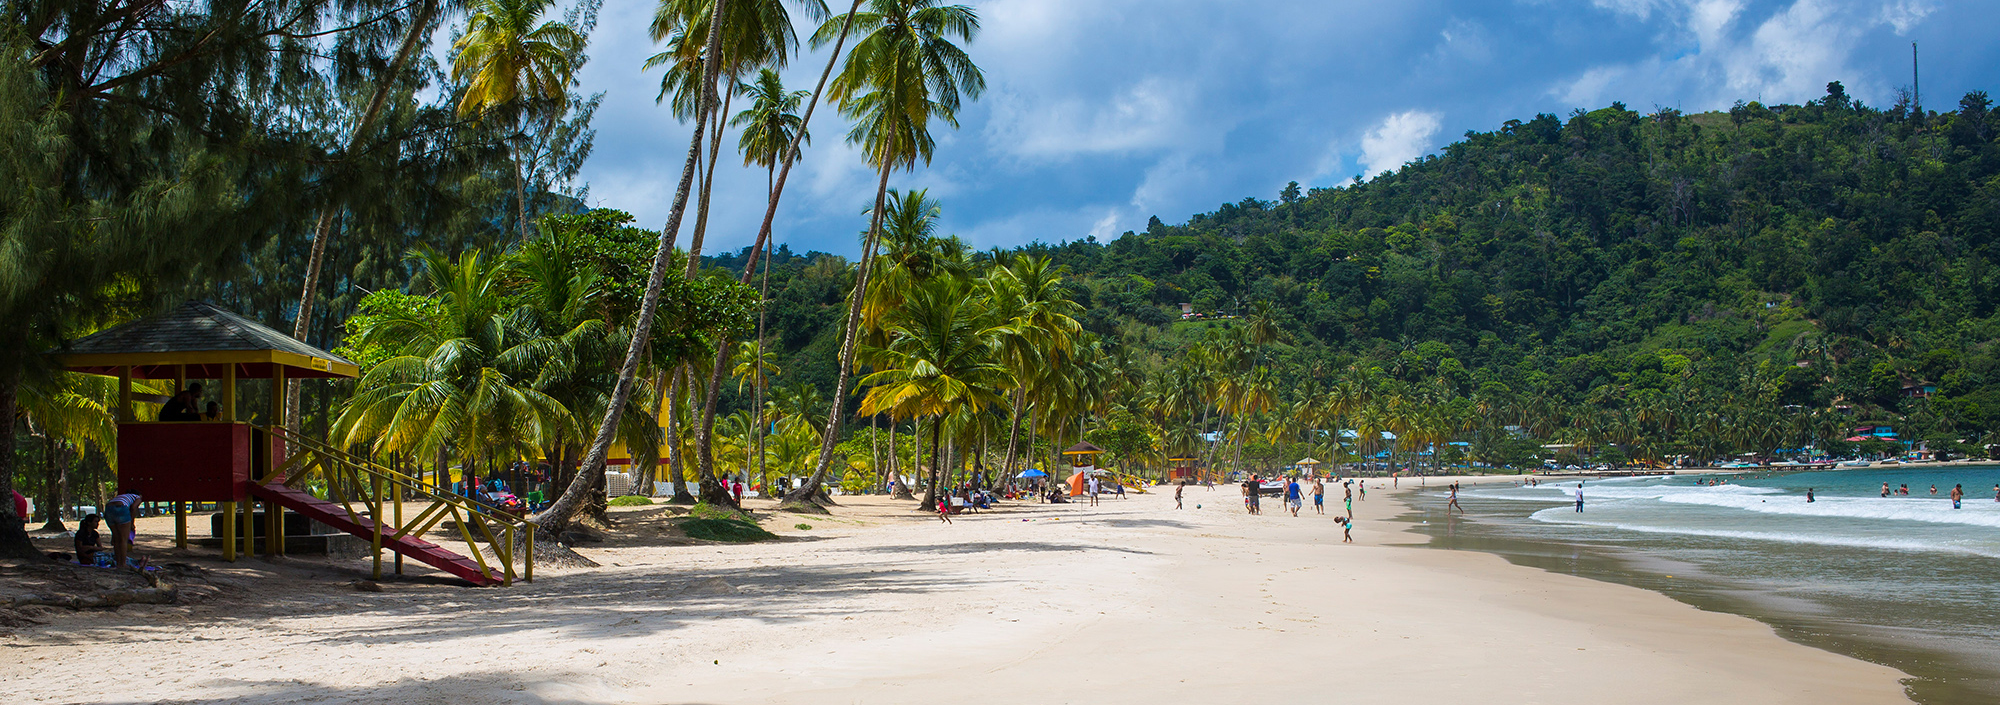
point(1624, 273)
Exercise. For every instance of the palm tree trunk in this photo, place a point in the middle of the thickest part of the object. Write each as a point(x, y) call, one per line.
point(520, 196)
point(1014, 427)
point(763, 308)
point(707, 187)
point(676, 462)
point(553, 521)
point(808, 491)
point(419, 28)
point(931, 488)
point(58, 489)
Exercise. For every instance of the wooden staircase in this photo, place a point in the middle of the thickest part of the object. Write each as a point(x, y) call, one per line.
point(349, 480)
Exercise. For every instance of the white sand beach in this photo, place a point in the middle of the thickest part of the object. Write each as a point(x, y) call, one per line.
point(1129, 601)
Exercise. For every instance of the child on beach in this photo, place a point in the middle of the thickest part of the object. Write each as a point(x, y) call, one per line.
point(1453, 504)
point(944, 510)
point(1347, 530)
point(87, 543)
point(1177, 494)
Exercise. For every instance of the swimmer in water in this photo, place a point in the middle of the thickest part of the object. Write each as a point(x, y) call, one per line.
point(1957, 495)
point(1809, 495)
point(1996, 494)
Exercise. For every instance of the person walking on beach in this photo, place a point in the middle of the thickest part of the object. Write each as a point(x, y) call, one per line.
point(944, 509)
point(1178, 489)
point(1347, 530)
point(1093, 490)
point(1579, 498)
point(1453, 504)
point(1293, 499)
point(1250, 495)
point(1364, 490)
point(1319, 497)
point(1957, 495)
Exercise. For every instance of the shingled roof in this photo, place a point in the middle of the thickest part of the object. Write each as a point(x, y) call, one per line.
point(199, 335)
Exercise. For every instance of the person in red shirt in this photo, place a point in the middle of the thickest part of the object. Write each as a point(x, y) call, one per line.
point(21, 507)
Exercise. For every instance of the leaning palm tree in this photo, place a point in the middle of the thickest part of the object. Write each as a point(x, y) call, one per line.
point(556, 517)
point(903, 72)
point(510, 59)
point(751, 34)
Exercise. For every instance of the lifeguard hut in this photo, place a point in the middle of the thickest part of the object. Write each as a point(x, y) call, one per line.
point(1083, 458)
point(236, 463)
point(1183, 469)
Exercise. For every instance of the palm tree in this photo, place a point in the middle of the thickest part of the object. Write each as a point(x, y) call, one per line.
point(903, 72)
point(68, 410)
point(940, 362)
point(754, 33)
point(507, 60)
point(554, 519)
point(460, 382)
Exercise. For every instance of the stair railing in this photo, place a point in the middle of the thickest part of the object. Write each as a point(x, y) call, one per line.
point(381, 492)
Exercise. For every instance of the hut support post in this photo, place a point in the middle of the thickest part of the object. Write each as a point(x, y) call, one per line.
point(125, 393)
point(274, 516)
point(229, 531)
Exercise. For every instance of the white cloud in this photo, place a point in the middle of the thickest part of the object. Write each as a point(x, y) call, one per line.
point(1642, 9)
point(1398, 139)
point(1709, 54)
point(1146, 114)
point(1905, 14)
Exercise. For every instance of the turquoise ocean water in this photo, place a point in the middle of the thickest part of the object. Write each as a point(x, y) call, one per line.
point(1905, 581)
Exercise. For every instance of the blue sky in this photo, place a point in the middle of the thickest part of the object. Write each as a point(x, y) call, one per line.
point(1101, 113)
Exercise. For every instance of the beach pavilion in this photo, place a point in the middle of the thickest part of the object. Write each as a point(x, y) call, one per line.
point(1307, 465)
point(238, 459)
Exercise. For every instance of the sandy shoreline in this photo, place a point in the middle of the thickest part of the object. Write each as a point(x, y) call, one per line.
point(1130, 601)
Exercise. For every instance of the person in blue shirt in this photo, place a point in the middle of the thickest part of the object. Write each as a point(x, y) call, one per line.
point(1292, 496)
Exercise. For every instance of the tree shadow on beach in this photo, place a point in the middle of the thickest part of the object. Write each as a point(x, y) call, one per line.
point(484, 687)
point(992, 546)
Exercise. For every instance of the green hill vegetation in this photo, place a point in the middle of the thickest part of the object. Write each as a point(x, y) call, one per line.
point(1635, 286)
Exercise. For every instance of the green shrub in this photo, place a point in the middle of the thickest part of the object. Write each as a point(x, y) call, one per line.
point(802, 526)
point(704, 510)
point(725, 530)
point(630, 500)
